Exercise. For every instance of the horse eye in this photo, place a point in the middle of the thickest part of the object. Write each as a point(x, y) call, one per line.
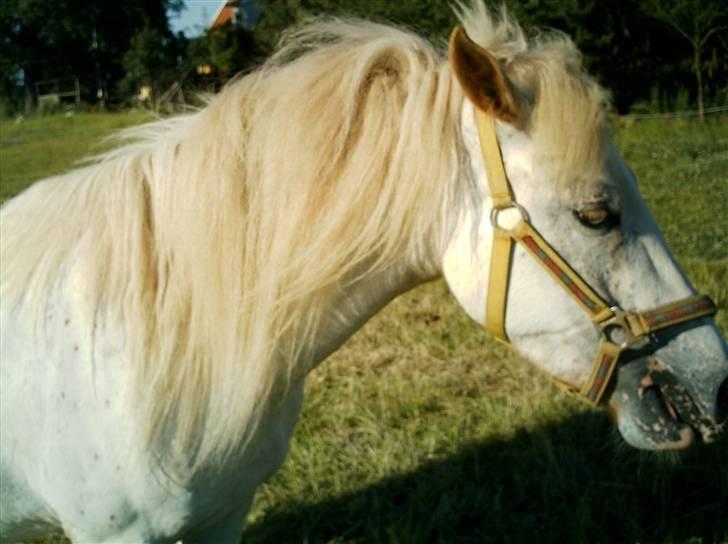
point(597, 218)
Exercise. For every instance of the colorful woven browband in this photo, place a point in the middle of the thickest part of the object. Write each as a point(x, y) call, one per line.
point(630, 328)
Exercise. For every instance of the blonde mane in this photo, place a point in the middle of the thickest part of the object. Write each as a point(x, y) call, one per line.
point(220, 238)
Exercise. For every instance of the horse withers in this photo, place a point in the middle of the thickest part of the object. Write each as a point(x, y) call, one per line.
point(162, 307)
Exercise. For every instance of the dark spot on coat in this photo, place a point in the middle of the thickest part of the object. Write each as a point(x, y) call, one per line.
point(66, 322)
point(75, 348)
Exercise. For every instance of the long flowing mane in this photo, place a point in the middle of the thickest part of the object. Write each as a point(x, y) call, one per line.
point(219, 238)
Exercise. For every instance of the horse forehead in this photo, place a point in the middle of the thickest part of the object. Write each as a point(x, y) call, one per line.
point(518, 151)
point(516, 148)
point(524, 162)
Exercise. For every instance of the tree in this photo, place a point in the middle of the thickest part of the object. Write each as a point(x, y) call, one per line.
point(697, 21)
point(623, 44)
point(226, 50)
point(151, 62)
point(73, 38)
point(432, 18)
point(9, 67)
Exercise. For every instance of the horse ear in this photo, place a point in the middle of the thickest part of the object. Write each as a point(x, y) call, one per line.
point(481, 77)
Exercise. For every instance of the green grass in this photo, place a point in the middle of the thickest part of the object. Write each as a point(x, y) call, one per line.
point(39, 147)
point(423, 429)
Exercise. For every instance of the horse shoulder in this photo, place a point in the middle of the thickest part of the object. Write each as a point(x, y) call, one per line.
point(70, 452)
point(72, 457)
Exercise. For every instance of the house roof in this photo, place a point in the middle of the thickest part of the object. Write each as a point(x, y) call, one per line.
point(224, 13)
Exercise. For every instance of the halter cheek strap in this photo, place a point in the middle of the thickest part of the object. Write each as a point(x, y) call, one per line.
point(619, 330)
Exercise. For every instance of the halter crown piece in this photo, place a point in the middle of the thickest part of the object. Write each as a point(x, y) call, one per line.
point(618, 329)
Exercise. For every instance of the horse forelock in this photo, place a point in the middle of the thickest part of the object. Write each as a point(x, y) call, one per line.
point(566, 110)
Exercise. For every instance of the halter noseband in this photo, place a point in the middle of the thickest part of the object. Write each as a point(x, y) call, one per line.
point(618, 329)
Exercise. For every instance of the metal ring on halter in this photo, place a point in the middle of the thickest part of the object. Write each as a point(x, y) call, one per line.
point(512, 205)
point(618, 322)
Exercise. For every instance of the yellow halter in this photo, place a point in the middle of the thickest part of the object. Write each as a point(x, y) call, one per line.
point(618, 329)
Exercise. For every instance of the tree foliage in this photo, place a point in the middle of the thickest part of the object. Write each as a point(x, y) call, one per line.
point(650, 53)
point(623, 44)
point(697, 21)
point(226, 51)
point(151, 63)
point(73, 38)
point(432, 18)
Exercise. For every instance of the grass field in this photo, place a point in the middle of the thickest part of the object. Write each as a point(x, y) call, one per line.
point(423, 429)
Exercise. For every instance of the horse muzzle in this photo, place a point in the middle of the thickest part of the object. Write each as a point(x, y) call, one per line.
point(705, 413)
point(664, 401)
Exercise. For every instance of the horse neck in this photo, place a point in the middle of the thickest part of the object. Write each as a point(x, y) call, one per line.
point(363, 298)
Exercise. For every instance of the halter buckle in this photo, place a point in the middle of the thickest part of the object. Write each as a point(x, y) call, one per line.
point(617, 329)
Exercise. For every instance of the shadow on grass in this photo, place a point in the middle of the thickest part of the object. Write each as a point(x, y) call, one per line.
point(571, 482)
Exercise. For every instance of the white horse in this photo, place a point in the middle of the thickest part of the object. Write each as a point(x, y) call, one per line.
point(161, 308)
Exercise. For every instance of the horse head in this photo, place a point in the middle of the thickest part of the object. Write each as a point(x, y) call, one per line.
point(592, 274)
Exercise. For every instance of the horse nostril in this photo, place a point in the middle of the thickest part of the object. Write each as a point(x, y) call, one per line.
point(722, 401)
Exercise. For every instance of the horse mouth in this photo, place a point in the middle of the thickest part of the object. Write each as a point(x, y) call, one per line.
point(684, 417)
point(663, 415)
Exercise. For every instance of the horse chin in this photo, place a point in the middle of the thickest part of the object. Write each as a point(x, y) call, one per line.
point(654, 415)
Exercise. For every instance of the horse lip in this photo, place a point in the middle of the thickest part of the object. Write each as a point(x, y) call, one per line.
point(687, 437)
point(687, 413)
point(678, 403)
